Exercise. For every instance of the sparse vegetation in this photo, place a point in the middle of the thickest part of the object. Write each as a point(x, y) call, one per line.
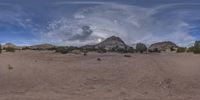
point(181, 49)
point(26, 48)
point(10, 49)
point(141, 48)
point(62, 50)
point(196, 48)
point(101, 50)
point(130, 50)
point(65, 50)
point(190, 49)
point(0, 49)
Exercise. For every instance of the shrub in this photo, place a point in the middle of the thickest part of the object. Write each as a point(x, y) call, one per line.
point(140, 47)
point(101, 50)
point(121, 50)
point(10, 49)
point(62, 50)
point(154, 50)
point(98, 59)
point(0, 49)
point(181, 49)
point(130, 50)
point(196, 48)
point(26, 48)
point(190, 49)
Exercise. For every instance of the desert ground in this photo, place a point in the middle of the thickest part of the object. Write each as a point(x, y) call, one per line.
point(45, 75)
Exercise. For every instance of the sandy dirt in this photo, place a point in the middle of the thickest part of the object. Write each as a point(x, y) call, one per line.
point(34, 75)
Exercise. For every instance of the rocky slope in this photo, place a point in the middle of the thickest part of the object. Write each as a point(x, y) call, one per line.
point(163, 46)
point(112, 42)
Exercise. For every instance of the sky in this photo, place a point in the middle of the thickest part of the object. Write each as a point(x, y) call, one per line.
point(81, 22)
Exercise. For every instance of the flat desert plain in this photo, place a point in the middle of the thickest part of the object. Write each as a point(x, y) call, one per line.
point(45, 75)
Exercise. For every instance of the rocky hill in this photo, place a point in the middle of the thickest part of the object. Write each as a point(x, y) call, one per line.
point(163, 46)
point(10, 45)
point(112, 42)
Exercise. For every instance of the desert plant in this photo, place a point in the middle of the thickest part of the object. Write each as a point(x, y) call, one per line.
point(62, 50)
point(25, 48)
point(121, 50)
point(130, 50)
point(10, 49)
point(140, 47)
point(0, 49)
point(181, 49)
point(101, 50)
point(190, 49)
point(196, 48)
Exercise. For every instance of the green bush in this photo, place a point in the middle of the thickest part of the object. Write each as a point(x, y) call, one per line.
point(10, 49)
point(181, 49)
point(140, 47)
point(101, 50)
point(196, 49)
point(130, 50)
point(26, 48)
point(126, 50)
point(65, 50)
point(0, 49)
point(155, 50)
point(190, 49)
point(62, 50)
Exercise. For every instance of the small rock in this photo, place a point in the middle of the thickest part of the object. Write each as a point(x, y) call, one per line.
point(98, 59)
point(127, 56)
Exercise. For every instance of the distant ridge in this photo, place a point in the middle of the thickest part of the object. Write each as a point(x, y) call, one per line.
point(42, 46)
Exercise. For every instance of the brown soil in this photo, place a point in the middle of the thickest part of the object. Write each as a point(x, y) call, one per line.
point(34, 75)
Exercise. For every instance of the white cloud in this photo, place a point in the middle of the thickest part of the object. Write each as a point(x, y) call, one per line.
point(131, 23)
point(84, 2)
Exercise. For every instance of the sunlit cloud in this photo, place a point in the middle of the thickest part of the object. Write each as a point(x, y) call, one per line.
point(132, 23)
point(89, 22)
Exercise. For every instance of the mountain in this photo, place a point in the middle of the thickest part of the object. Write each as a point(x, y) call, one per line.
point(42, 46)
point(10, 45)
point(163, 46)
point(112, 42)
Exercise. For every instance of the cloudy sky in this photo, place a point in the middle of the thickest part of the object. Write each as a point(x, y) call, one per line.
point(80, 22)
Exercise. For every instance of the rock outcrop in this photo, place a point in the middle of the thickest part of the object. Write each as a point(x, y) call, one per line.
point(112, 42)
point(166, 46)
